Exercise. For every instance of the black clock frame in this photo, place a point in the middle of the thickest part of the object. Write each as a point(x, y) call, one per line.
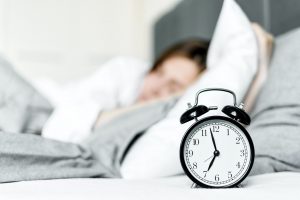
point(182, 153)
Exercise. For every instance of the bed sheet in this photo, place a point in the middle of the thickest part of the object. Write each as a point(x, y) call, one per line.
point(269, 186)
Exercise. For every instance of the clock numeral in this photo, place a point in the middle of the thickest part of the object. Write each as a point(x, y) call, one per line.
point(205, 172)
point(227, 131)
point(195, 141)
point(238, 140)
point(191, 153)
point(217, 178)
point(216, 128)
point(204, 133)
point(229, 174)
point(238, 165)
point(242, 153)
point(195, 165)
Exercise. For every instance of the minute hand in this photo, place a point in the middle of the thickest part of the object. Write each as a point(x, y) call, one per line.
point(213, 139)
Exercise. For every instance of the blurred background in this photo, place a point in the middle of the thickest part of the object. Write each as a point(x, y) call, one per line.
point(67, 39)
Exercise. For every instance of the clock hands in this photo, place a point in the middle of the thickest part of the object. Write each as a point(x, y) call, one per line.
point(216, 152)
point(211, 163)
point(213, 139)
point(208, 158)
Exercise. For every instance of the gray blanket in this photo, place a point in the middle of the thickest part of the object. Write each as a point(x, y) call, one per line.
point(275, 127)
point(31, 157)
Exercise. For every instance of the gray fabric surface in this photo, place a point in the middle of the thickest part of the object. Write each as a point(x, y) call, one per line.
point(275, 127)
point(31, 157)
point(117, 135)
point(197, 18)
point(189, 19)
point(22, 108)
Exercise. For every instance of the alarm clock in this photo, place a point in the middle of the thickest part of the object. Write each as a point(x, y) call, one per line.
point(216, 151)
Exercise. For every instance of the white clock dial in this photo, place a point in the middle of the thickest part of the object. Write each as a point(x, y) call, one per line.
point(217, 153)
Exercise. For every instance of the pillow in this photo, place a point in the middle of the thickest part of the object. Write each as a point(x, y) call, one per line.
point(275, 127)
point(22, 108)
point(232, 64)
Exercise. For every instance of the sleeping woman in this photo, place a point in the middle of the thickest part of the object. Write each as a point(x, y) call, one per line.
point(118, 84)
point(124, 82)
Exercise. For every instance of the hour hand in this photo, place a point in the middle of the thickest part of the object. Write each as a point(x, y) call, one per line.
point(216, 154)
point(211, 163)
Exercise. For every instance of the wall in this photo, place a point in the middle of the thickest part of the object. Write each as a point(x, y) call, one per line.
point(67, 39)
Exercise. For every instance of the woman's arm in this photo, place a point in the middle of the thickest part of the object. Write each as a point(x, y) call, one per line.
point(115, 84)
point(265, 49)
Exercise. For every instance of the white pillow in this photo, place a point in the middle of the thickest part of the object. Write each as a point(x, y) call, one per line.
point(232, 64)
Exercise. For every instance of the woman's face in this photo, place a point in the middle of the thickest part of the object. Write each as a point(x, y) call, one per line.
point(173, 76)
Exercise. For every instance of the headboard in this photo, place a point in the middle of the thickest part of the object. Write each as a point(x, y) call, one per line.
point(197, 18)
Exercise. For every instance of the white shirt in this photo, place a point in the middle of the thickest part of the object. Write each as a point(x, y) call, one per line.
point(116, 84)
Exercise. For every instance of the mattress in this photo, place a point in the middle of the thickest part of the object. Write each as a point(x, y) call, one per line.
point(285, 185)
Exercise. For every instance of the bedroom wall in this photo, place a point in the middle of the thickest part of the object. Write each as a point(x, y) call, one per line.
point(67, 39)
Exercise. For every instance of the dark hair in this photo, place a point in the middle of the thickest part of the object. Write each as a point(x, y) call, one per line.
point(194, 49)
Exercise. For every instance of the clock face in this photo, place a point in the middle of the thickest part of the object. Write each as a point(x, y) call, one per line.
point(217, 152)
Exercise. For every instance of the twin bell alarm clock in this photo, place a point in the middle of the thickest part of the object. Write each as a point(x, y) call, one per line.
point(216, 151)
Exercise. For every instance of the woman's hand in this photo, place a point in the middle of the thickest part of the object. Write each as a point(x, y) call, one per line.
point(265, 43)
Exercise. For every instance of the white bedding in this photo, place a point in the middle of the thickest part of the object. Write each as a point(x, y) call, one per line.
point(269, 186)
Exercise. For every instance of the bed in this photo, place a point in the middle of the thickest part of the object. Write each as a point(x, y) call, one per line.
point(270, 185)
point(285, 185)
point(198, 18)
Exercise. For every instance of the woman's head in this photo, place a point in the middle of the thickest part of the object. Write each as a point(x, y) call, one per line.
point(175, 70)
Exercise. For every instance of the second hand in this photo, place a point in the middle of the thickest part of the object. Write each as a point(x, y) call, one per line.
point(208, 158)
